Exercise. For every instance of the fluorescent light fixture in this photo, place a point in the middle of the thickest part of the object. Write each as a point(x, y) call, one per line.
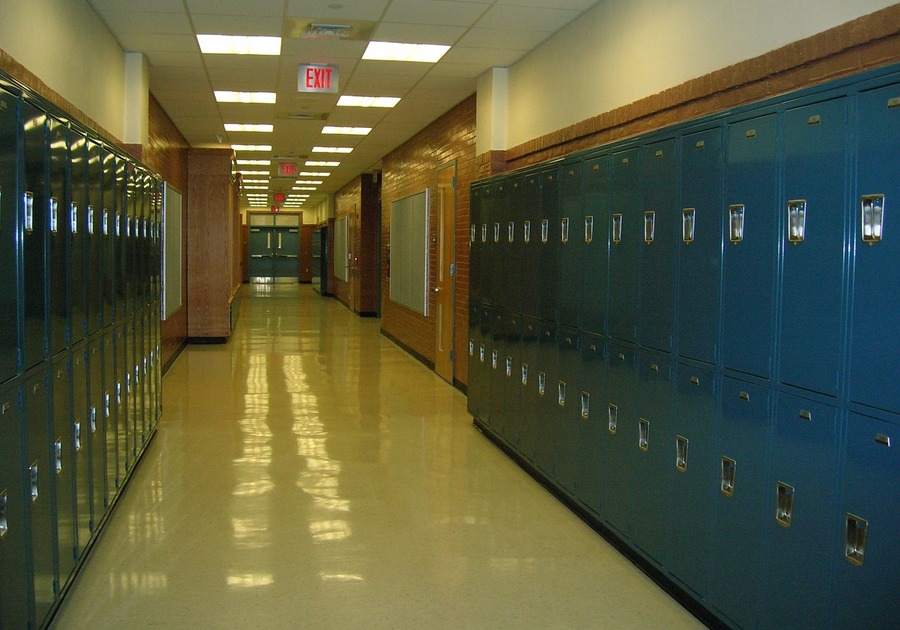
point(303, 188)
point(242, 172)
point(315, 163)
point(313, 174)
point(246, 127)
point(239, 45)
point(346, 131)
point(332, 149)
point(254, 181)
point(308, 181)
point(254, 162)
point(367, 101)
point(391, 51)
point(251, 147)
point(244, 97)
point(255, 187)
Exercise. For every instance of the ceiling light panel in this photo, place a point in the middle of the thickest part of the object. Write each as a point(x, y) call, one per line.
point(313, 174)
point(249, 127)
point(347, 131)
point(332, 149)
point(244, 97)
point(392, 51)
point(320, 163)
point(367, 101)
point(239, 45)
point(251, 147)
point(254, 162)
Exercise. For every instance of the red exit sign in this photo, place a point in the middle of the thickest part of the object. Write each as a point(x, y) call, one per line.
point(287, 169)
point(317, 78)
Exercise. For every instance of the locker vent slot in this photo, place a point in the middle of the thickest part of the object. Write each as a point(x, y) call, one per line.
point(644, 434)
point(29, 212)
point(585, 405)
point(54, 215)
point(681, 453)
point(613, 417)
point(545, 230)
point(588, 230)
point(736, 223)
point(617, 228)
point(564, 230)
point(524, 374)
point(33, 477)
point(855, 533)
point(561, 388)
point(649, 226)
point(871, 218)
point(727, 476)
point(4, 519)
point(784, 503)
point(542, 383)
point(796, 214)
point(57, 455)
point(526, 231)
point(688, 222)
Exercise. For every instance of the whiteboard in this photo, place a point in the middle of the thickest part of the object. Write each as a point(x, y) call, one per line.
point(171, 252)
point(341, 268)
point(409, 252)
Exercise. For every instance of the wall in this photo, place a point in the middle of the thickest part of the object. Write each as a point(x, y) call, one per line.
point(359, 202)
point(409, 169)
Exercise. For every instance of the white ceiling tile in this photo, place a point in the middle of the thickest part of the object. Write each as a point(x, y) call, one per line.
point(446, 12)
point(217, 24)
point(237, 7)
point(162, 59)
point(513, 39)
point(418, 33)
point(127, 24)
point(526, 18)
point(146, 6)
point(149, 42)
point(350, 10)
point(575, 5)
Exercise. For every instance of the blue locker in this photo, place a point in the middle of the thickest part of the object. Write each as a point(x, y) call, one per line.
point(700, 245)
point(58, 275)
point(64, 460)
point(595, 250)
point(752, 208)
point(39, 462)
point(118, 247)
point(120, 399)
point(867, 565)
point(107, 235)
point(110, 415)
point(78, 234)
point(652, 437)
point(875, 338)
point(592, 393)
point(528, 386)
point(743, 501)
point(499, 244)
point(80, 429)
point(548, 246)
point(802, 542)
point(568, 410)
point(547, 404)
point(619, 448)
point(96, 431)
point(34, 218)
point(815, 168)
point(625, 237)
point(692, 467)
point(571, 240)
point(531, 244)
point(9, 228)
point(512, 231)
point(94, 239)
point(657, 230)
point(14, 588)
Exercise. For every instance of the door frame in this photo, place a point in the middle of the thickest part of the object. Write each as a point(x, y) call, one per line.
point(445, 271)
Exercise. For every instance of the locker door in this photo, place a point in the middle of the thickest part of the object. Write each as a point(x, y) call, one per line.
point(96, 432)
point(499, 244)
point(107, 236)
point(815, 166)
point(475, 249)
point(595, 280)
point(618, 452)
point(548, 232)
point(509, 372)
point(751, 198)
point(78, 234)
point(876, 287)
point(531, 244)
point(122, 414)
point(486, 244)
point(568, 408)
point(743, 502)
point(118, 247)
point(34, 219)
point(548, 403)
point(592, 392)
point(58, 275)
point(868, 563)
point(80, 429)
point(657, 228)
point(64, 460)
point(484, 350)
point(127, 240)
point(493, 362)
point(692, 466)
point(9, 228)
point(110, 416)
point(40, 473)
point(625, 232)
point(513, 234)
point(528, 385)
point(803, 541)
point(700, 246)
point(14, 599)
point(475, 384)
point(94, 238)
point(135, 385)
point(652, 437)
point(571, 220)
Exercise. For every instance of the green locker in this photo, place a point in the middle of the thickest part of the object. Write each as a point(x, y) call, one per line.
point(9, 229)
point(119, 245)
point(568, 408)
point(513, 231)
point(619, 445)
point(14, 587)
point(94, 238)
point(78, 234)
point(96, 432)
point(34, 220)
point(549, 234)
point(625, 234)
point(107, 235)
point(120, 398)
point(64, 466)
point(528, 390)
point(500, 244)
point(59, 224)
point(595, 250)
point(571, 243)
point(110, 415)
point(547, 377)
point(592, 393)
point(80, 429)
point(531, 244)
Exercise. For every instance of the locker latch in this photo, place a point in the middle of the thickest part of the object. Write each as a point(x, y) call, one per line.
point(545, 230)
point(526, 231)
point(561, 388)
point(796, 215)
point(589, 230)
point(472, 233)
point(509, 364)
point(4, 519)
point(727, 476)
point(644, 434)
point(736, 223)
point(681, 453)
point(871, 218)
point(74, 218)
point(29, 212)
point(585, 405)
point(524, 374)
point(784, 504)
point(613, 418)
point(564, 230)
point(542, 383)
point(471, 348)
point(617, 228)
point(511, 232)
point(688, 220)
point(54, 215)
point(856, 530)
point(649, 226)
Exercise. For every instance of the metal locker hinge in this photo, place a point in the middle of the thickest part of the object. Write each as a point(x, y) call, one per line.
point(452, 269)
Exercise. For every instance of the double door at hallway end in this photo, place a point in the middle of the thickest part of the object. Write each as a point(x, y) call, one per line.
point(274, 253)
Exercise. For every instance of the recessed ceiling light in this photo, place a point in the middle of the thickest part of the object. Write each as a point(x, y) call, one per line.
point(244, 172)
point(332, 149)
point(223, 96)
point(254, 181)
point(347, 131)
point(251, 147)
point(312, 174)
point(318, 163)
point(246, 127)
point(303, 188)
point(391, 51)
point(308, 181)
point(239, 45)
point(367, 101)
point(254, 162)
point(256, 188)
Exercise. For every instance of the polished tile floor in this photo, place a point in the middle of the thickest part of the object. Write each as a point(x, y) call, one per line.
point(310, 474)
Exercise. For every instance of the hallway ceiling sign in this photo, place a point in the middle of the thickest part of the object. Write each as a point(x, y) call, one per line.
point(317, 78)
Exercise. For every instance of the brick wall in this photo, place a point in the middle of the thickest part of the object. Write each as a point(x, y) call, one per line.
point(408, 170)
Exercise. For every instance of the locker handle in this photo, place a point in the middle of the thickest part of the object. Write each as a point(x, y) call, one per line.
point(471, 348)
point(78, 436)
point(57, 456)
point(496, 232)
point(93, 420)
point(511, 231)
point(118, 223)
point(612, 418)
point(856, 531)
point(542, 383)
point(472, 233)
point(73, 207)
point(564, 230)
point(545, 230)
point(784, 507)
point(54, 215)
point(33, 477)
point(585, 405)
point(524, 374)
point(561, 389)
point(649, 226)
point(494, 360)
point(736, 223)
point(106, 406)
point(871, 218)
point(29, 212)
point(796, 216)
point(526, 229)
point(727, 476)
point(509, 363)
point(884, 440)
point(589, 230)
point(484, 232)
point(681, 453)
point(481, 353)
point(105, 219)
point(4, 519)
point(688, 223)
point(90, 218)
point(617, 228)
point(269, 240)
point(644, 434)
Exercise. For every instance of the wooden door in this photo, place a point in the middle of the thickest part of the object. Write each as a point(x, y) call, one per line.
point(444, 284)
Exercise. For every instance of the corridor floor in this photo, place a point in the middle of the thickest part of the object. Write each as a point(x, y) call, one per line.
point(311, 474)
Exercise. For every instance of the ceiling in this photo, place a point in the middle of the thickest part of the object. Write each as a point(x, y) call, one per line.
point(482, 34)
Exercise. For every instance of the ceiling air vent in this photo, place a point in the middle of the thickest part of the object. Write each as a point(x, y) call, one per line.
point(300, 28)
point(306, 116)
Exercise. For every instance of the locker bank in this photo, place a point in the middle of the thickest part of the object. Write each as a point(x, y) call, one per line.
point(673, 301)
